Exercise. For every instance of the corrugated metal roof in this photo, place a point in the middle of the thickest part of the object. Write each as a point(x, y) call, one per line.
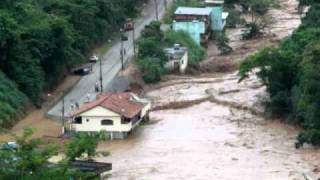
point(214, 1)
point(193, 11)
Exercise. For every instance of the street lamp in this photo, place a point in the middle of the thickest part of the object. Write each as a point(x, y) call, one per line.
point(121, 48)
point(62, 110)
point(122, 51)
point(133, 40)
point(165, 4)
point(101, 85)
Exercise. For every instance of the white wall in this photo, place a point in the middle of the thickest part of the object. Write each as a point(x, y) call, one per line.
point(169, 65)
point(145, 110)
point(91, 121)
point(184, 63)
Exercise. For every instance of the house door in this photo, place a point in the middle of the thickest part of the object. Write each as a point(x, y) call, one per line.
point(176, 65)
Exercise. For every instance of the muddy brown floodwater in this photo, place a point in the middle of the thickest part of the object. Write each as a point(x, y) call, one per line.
point(212, 127)
point(217, 138)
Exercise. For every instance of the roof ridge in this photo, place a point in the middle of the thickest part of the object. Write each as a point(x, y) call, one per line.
point(105, 98)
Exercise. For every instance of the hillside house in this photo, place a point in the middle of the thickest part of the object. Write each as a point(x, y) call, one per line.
point(177, 58)
point(218, 17)
point(194, 21)
point(115, 113)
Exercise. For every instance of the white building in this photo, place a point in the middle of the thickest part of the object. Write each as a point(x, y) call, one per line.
point(177, 58)
point(115, 113)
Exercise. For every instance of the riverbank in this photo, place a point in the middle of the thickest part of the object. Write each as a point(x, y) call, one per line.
point(208, 126)
point(216, 139)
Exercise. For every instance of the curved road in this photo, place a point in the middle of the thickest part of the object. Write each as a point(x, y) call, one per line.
point(111, 63)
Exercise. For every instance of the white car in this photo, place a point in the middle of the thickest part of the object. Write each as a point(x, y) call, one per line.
point(94, 58)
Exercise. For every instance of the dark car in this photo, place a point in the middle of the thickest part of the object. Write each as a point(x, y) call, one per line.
point(82, 71)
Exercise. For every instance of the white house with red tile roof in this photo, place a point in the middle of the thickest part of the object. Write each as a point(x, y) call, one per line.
point(115, 113)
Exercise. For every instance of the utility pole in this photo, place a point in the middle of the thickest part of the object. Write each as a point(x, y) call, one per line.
point(165, 4)
point(156, 5)
point(101, 85)
point(121, 49)
point(133, 40)
point(62, 113)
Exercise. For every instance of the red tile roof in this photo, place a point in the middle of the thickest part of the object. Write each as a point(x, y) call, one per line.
point(119, 103)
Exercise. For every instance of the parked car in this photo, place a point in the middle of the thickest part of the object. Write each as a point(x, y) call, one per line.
point(9, 146)
point(94, 58)
point(82, 71)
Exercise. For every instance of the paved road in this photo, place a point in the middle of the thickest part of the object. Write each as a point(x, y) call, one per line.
point(111, 64)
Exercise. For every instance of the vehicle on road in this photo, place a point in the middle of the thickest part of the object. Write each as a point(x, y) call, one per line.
point(9, 146)
point(128, 26)
point(82, 70)
point(94, 58)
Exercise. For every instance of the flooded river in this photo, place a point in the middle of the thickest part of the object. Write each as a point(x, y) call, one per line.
point(212, 127)
point(214, 138)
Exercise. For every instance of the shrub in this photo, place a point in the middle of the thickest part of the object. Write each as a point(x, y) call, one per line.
point(313, 17)
point(222, 42)
point(195, 51)
point(252, 30)
point(152, 69)
point(150, 47)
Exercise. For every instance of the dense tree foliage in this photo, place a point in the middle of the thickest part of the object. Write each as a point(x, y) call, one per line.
point(41, 39)
point(12, 101)
point(313, 17)
point(291, 75)
point(151, 56)
point(307, 2)
point(30, 160)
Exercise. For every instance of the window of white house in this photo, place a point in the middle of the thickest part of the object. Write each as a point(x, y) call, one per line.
point(107, 122)
point(78, 120)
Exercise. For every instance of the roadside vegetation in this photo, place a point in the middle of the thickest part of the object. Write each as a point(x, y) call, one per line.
point(291, 75)
point(151, 56)
point(41, 39)
point(30, 159)
point(12, 101)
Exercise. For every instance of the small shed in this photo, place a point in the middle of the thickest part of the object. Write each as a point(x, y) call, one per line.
point(177, 58)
